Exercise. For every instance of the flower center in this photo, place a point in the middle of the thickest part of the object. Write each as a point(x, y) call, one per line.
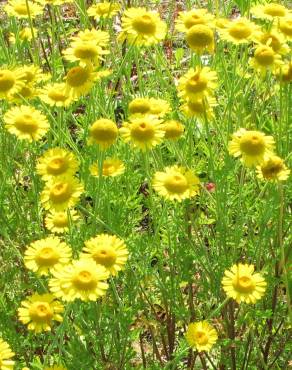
point(47, 256)
point(60, 192)
point(60, 220)
point(200, 36)
point(57, 96)
point(244, 284)
point(25, 123)
point(139, 106)
point(104, 131)
point(196, 106)
point(26, 92)
point(240, 30)
point(176, 184)
point(77, 76)
point(144, 24)
point(192, 20)
point(85, 51)
point(7, 81)
point(172, 130)
point(201, 338)
point(272, 167)
point(108, 169)
point(57, 165)
point(41, 312)
point(286, 27)
point(264, 56)
point(84, 280)
point(103, 9)
point(196, 84)
point(275, 10)
point(252, 144)
point(20, 9)
point(29, 76)
point(143, 132)
point(105, 256)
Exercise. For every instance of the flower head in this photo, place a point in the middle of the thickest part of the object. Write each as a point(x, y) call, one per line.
point(285, 26)
point(190, 18)
point(269, 11)
point(26, 122)
point(284, 72)
point(200, 38)
point(273, 39)
point(200, 108)
point(82, 279)
point(252, 146)
point(239, 31)
point(143, 132)
point(201, 336)
point(85, 52)
point(61, 193)
point(142, 27)
point(45, 255)
point(103, 132)
point(145, 106)
point(265, 59)
point(97, 37)
point(79, 81)
point(24, 34)
point(54, 94)
point(111, 167)
point(176, 183)
point(273, 168)
point(55, 162)
point(173, 129)
point(10, 82)
point(242, 284)
point(23, 9)
point(39, 311)
point(6, 362)
point(105, 9)
point(108, 251)
point(59, 222)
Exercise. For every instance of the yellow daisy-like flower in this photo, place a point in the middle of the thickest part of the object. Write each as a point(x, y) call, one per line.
point(239, 31)
point(61, 193)
point(221, 23)
point(27, 92)
point(242, 284)
point(142, 27)
point(6, 362)
point(199, 108)
point(111, 167)
point(10, 82)
point(273, 169)
point(269, 11)
point(190, 18)
point(200, 39)
point(98, 37)
point(85, 52)
point(45, 255)
point(56, 162)
point(197, 83)
point(21, 9)
point(265, 59)
point(173, 129)
point(59, 222)
point(285, 26)
point(105, 9)
point(252, 146)
point(82, 279)
point(284, 73)
point(79, 81)
point(103, 132)
point(39, 311)
point(26, 123)
point(143, 132)
point(32, 74)
point(24, 34)
point(201, 336)
point(108, 251)
point(176, 183)
point(273, 39)
point(54, 95)
point(153, 106)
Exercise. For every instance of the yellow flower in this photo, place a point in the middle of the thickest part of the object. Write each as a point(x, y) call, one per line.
point(32, 74)
point(110, 167)
point(142, 27)
point(6, 362)
point(273, 168)
point(39, 311)
point(197, 83)
point(176, 183)
point(54, 95)
point(85, 52)
point(173, 129)
point(200, 108)
point(27, 92)
point(56, 162)
point(273, 39)
point(269, 11)
point(79, 81)
point(200, 38)
point(201, 336)
point(19, 9)
point(242, 284)
point(108, 251)
point(153, 106)
point(103, 10)
point(103, 132)
point(190, 18)
point(143, 132)
point(24, 34)
point(221, 23)
point(252, 146)
point(45, 255)
point(239, 31)
point(98, 37)
point(285, 26)
point(26, 123)
point(10, 82)
point(284, 73)
point(59, 222)
point(82, 279)
point(61, 193)
point(265, 59)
